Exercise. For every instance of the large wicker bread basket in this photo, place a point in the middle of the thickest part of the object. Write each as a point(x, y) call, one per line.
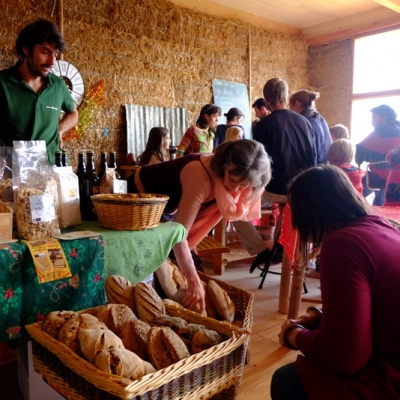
point(129, 212)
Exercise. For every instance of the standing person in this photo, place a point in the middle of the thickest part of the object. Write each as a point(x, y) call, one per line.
point(303, 102)
point(233, 133)
point(32, 99)
point(260, 110)
point(339, 131)
point(234, 117)
point(199, 138)
point(350, 349)
point(157, 147)
point(288, 139)
point(203, 189)
point(377, 145)
point(341, 153)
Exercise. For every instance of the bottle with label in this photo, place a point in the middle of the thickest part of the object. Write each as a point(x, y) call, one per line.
point(113, 164)
point(58, 158)
point(103, 166)
point(90, 187)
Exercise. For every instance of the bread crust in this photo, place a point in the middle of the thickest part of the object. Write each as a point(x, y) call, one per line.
point(221, 301)
point(148, 303)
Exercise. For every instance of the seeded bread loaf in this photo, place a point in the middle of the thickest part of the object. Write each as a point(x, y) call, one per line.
point(165, 347)
point(134, 337)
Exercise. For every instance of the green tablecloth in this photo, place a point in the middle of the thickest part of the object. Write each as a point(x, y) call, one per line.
point(133, 254)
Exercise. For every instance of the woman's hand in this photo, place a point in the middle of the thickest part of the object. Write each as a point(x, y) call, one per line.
point(195, 296)
point(289, 330)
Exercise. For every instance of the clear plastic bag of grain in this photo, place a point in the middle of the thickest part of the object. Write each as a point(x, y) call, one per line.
point(35, 191)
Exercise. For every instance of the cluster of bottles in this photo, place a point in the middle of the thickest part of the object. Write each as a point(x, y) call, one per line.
point(89, 180)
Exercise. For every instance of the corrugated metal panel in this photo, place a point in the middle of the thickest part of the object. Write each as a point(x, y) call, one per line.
point(140, 119)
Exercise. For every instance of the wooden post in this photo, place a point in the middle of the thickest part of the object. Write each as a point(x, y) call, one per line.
point(61, 22)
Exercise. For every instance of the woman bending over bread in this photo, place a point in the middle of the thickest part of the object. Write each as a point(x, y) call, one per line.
point(203, 189)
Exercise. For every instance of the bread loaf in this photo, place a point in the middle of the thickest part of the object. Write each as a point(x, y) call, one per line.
point(113, 315)
point(134, 337)
point(165, 347)
point(204, 339)
point(172, 280)
point(210, 309)
point(120, 290)
point(123, 362)
point(94, 340)
point(54, 321)
point(221, 300)
point(147, 302)
point(187, 332)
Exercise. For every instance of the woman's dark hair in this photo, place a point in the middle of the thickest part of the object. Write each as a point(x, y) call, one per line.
point(233, 113)
point(208, 109)
point(322, 200)
point(153, 145)
point(385, 111)
point(250, 158)
point(39, 32)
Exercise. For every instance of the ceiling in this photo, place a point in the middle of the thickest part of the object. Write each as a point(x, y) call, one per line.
point(317, 21)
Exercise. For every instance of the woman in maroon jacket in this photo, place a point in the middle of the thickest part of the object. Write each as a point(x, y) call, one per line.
point(350, 350)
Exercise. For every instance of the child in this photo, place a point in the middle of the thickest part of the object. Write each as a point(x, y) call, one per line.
point(341, 153)
point(392, 189)
point(157, 148)
point(233, 133)
point(338, 131)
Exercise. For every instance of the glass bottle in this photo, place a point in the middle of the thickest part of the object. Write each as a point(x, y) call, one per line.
point(103, 166)
point(113, 163)
point(90, 187)
point(64, 159)
point(80, 171)
point(58, 159)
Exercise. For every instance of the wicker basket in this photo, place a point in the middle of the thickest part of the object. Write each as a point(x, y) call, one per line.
point(129, 212)
point(213, 373)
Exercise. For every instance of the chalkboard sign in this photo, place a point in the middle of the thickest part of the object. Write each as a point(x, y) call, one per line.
point(232, 94)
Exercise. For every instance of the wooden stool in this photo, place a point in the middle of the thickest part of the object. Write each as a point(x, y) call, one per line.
point(209, 248)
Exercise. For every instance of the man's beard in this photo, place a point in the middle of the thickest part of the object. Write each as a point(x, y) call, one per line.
point(34, 70)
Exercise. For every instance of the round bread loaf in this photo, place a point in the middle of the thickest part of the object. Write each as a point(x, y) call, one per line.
point(187, 332)
point(175, 323)
point(120, 290)
point(204, 339)
point(221, 300)
point(134, 337)
point(54, 321)
point(124, 363)
point(148, 303)
point(172, 280)
point(113, 315)
point(165, 347)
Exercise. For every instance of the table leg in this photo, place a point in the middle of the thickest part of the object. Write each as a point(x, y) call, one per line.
point(296, 291)
point(284, 290)
point(219, 231)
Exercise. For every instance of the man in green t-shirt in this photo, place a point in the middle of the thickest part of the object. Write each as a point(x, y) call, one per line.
point(34, 103)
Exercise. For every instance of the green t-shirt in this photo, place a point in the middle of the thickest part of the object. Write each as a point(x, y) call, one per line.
point(26, 115)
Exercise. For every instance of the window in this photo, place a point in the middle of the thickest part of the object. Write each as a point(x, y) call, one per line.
point(376, 79)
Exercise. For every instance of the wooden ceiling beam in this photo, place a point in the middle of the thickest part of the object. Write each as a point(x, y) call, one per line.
point(391, 4)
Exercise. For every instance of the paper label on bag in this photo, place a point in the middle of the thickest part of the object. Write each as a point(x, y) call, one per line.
point(42, 208)
point(49, 259)
point(120, 186)
point(5, 226)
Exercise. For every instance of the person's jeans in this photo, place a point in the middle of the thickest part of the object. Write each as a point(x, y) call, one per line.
point(286, 384)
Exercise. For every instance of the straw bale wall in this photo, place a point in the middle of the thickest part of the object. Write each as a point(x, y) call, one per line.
point(154, 53)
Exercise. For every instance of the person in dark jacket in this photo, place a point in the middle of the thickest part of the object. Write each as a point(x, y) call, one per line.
point(303, 102)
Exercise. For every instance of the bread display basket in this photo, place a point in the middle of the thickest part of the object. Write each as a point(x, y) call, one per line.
point(211, 374)
point(129, 212)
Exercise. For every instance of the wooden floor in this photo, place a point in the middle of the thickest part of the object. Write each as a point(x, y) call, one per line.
point(266, 354)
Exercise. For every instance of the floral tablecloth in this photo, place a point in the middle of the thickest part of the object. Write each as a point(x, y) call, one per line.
point(133, 254)
point(23, 300)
